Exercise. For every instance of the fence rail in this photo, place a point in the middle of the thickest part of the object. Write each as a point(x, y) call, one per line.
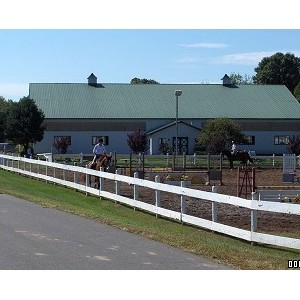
point(27, 166)
point(194, 161)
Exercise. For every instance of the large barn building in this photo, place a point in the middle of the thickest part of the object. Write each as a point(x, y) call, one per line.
point(268, 114)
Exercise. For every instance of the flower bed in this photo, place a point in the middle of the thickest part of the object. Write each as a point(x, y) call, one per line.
point(291, 199)
point(176, 180)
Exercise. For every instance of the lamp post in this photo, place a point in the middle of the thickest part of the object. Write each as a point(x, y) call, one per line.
point(177, 94)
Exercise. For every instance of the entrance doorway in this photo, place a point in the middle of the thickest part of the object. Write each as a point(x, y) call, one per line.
point(182, 145)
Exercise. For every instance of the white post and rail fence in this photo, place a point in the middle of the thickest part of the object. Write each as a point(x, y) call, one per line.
point(39, 169)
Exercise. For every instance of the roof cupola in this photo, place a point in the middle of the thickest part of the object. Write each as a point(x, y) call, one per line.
point(92, 80)
point(226, 80)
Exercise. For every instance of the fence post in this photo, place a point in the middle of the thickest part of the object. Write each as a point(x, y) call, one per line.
point(30, 168)
point(54, 170)
point(157, 193)
point(75, 173)
point(182, 201)
point(135, 188)
point(214, 207)
point(87, 180)
point(64, 171)
point(39, 165)
point(253, 217)
point(174, 163)
point(46, 172)
point(101, 181)
point(118, 172)
point(167, 160)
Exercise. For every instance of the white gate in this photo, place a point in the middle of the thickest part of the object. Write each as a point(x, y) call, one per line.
point(289, 167)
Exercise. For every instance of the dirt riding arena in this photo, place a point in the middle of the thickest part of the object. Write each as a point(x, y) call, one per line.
point(273, 223)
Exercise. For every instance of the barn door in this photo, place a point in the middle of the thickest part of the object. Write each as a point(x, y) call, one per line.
point(182, 145)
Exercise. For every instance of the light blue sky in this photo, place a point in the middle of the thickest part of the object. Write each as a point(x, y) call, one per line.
point(168, 56)
point(118, 55)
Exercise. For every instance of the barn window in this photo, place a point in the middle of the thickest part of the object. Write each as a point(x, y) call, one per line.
point(95, 140)
point(281, 139)
point(249, 140)
point(162, 141)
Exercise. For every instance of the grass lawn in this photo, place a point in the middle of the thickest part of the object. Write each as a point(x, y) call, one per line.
point(237, 253)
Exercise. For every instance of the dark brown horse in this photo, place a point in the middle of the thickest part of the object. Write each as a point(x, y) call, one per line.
point(104, 162)
point(243, 157)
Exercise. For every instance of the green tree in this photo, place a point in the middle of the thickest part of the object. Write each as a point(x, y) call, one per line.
point(297, 92)
point(137, 141)
point(136, 80)
point(294, 145)
point(217, 133)
point(4, 106)
point(24, 123)
point(61, 144)
point(237, 78)
point(279, 69)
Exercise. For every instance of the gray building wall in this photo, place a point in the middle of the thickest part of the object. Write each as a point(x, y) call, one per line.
point(264, 142)
point(81, 139)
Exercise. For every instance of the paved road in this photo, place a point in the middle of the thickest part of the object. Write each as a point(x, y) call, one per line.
point(37, 238)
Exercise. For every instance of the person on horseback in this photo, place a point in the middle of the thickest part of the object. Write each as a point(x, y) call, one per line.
point(233, 148)
point(99, 151)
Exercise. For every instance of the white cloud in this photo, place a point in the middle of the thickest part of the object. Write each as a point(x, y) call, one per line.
point(206, 45)
point(247, 58)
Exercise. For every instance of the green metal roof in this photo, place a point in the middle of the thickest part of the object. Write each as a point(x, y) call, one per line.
point(157, 101)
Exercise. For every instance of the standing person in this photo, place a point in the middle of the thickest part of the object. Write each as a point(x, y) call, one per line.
point(233, 148)
point(99, 150)
point(29, 153)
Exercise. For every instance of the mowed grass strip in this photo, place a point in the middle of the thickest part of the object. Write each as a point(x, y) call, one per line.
point(237, 253)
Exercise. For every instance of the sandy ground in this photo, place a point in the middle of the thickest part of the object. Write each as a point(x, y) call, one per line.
point(285, 224)
point(227, 214)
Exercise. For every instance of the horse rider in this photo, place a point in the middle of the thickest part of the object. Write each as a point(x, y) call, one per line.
point(233, 148)
point(99, 151)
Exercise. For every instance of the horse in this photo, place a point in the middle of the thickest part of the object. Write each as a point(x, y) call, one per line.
point(243, 157)
point(104, 162)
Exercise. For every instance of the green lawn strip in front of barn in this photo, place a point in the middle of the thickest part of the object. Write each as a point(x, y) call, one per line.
point(237, 253)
